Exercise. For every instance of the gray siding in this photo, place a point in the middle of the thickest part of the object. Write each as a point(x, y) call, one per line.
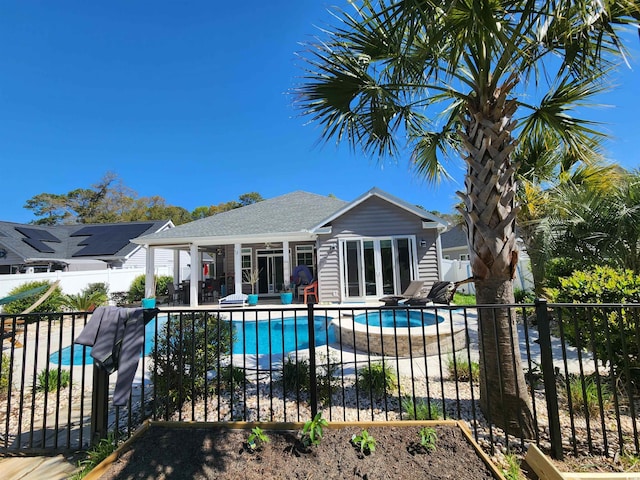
point(374, 217)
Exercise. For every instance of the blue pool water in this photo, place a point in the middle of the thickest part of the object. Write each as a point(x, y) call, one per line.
point(279, 335)
point(400, 319)
point(253, 338)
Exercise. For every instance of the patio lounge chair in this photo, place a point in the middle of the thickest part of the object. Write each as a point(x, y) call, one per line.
point(441, 292)
point(234, 299)
point(412, 291)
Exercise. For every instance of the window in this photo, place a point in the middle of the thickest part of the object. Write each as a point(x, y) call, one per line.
point(447, 257)
point(304, 256)
point(464, 256)
point(246, 263)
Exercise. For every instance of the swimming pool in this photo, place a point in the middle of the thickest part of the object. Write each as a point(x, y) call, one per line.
point(398, 318)
point(280, 335)
point(251, 337)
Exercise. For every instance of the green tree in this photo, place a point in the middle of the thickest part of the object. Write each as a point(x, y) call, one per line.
point(546, 171)
point(108, 201)
point(601, 228)
point(381, 74)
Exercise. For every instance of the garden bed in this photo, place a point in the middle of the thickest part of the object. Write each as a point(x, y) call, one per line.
point(212, 450)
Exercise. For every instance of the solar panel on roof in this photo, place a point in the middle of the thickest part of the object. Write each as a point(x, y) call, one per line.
point(107, 239)
point(35, 238)
point(37, 234)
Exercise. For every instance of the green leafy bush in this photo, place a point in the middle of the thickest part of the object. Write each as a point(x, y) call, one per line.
point(95, 456)
point(600, 328)
point(523, 296)
point(421, 409)
point(136, 290)
point(295, 375)
point(94, 295)
point(4, 374)
point(378, 379)
point(587, 402)
point(462, 371)
point(52, 303)
point(327, 383)
point(185, 355)
point(53, 380)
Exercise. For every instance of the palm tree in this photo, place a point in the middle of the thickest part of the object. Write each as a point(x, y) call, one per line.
point(546, 173)
point(377, 77)
point(600, 229)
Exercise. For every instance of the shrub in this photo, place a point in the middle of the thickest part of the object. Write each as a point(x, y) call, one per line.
point(378, 379)
point(512, 470)
point(4, 374)
point(231, 377)
point(52, 303)
point(95, 456)
point(327, 383)
point(295, 375)
point(587, 402)
point(421, 409)
point(524, 296)
point(181, 359)
point(53, 380)
point(94, 295)
point(136, 290)
point(602, 329)
point(462, 371)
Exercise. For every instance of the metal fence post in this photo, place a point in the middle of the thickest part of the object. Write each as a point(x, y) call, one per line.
point(313, 384)
point(549, 377)
point(99, 405)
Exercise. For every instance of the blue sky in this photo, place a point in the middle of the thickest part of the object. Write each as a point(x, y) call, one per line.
point(188, 100)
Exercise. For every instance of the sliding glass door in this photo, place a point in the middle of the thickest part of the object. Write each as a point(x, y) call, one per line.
point(376, 267)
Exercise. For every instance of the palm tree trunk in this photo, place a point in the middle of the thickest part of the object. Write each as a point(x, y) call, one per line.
point(490, 212)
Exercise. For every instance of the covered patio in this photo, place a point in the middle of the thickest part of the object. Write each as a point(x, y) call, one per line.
point(357, 251)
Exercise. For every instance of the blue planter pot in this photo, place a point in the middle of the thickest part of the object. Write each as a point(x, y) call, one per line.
point(252, 299)
point(286, 298)
point(148, 303)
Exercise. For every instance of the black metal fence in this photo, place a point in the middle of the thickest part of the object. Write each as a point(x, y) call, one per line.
point(581, 365)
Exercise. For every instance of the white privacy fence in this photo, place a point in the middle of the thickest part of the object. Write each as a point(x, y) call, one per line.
point(457, 270)
point(119, 280)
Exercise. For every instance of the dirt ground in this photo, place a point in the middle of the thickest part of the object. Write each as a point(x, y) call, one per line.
point(205, 453)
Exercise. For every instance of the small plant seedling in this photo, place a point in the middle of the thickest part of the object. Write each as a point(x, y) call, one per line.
point(312, 430)
point(428, 438)
point(257, 439)
point(365, 442)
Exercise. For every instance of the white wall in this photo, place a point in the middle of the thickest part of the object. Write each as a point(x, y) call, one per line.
point(456, 270)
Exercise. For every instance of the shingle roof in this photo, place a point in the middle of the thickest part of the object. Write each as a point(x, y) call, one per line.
point(108, 240)
point(294, 212)
point(456, 237)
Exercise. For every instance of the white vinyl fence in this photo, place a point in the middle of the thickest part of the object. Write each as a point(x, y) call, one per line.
point(456, 270)
point(118, 280)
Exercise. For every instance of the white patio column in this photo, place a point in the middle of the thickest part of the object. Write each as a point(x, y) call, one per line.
point(237, 267)
point(286, 263)
point(196, 266)
point(176, 266)
point(149, 279)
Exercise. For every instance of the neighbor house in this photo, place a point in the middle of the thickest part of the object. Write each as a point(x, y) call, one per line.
point(363, 249)
point(77, 247)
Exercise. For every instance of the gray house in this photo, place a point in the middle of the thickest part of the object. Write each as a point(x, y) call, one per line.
point(454, 244)
point(78, 247)
point(359, 250)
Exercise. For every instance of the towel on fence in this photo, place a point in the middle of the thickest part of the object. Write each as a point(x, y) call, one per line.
point(116, 336)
